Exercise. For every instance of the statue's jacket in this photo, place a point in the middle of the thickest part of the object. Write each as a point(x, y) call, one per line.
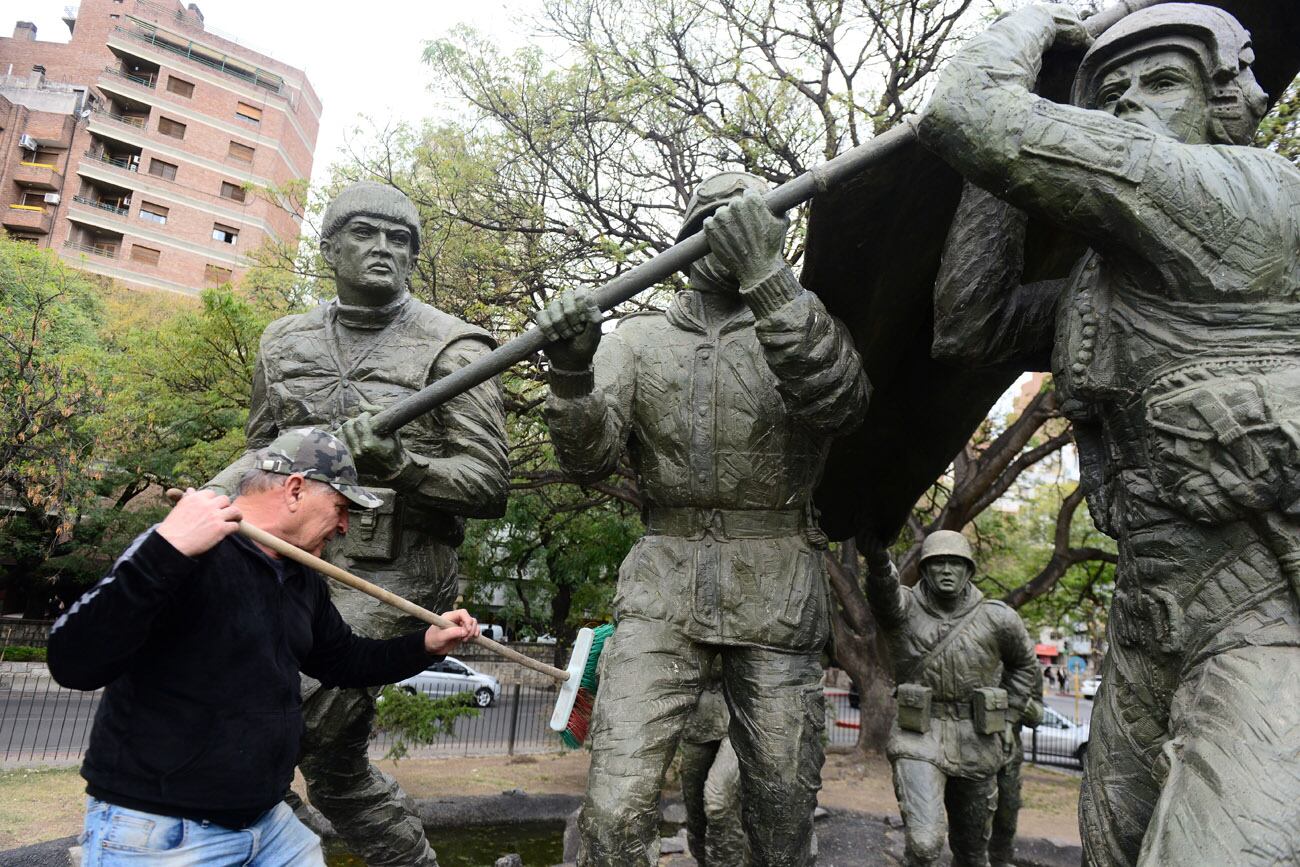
point(1175, 345)
point(727, 425)
point(320, 367)
point(992, 649)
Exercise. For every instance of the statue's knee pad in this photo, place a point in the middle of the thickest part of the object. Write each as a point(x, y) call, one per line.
point(925, 842)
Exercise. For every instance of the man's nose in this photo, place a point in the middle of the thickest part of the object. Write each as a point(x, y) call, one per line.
point(1129, 101)
point(381, 241)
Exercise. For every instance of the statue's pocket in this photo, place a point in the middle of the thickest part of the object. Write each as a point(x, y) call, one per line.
point(373, 534)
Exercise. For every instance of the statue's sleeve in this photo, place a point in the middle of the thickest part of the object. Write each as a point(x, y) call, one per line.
point(1021, 673)
point(472, 475)
point(887, 598)
point(259, 432)
point(1119, 186)
point(983, 313)
point(819, 372)
point(589, 413)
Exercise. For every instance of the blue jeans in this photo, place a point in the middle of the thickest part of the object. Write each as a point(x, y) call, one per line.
point(118, 836)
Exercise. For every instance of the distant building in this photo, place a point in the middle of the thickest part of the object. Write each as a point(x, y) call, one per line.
point(130, 149)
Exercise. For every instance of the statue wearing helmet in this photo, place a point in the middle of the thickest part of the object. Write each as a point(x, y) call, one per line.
point(1176, 354)
point(726, 403)
point(368, 348)
point(965, 670)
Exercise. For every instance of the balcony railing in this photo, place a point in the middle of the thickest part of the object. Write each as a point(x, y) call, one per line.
point(149, 81)
point(118, 162)
point(103, 206)
point(106, 252)
point(137, 122)
point(254, 78)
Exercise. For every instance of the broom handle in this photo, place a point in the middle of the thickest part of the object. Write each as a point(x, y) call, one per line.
point(311, 561)
point(642, 277)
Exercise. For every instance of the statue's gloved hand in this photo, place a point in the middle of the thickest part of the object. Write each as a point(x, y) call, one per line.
point(1070, 29)
point(876, 553)
point(747, 238)
point(571, 322)
point(376, 456)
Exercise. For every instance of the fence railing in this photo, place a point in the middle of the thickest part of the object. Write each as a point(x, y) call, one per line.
point(148, 82)
point(103, 206)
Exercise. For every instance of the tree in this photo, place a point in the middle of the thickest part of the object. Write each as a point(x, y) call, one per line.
point(50, 358)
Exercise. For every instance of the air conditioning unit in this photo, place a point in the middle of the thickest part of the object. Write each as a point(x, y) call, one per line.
point(51, 198)
point(26, 142)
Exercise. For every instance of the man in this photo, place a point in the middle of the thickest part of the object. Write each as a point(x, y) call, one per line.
point(965, 670)
point(199, 635)
point(370, 347)
point(728, 402)
point(1174, 350)
point(711, 781)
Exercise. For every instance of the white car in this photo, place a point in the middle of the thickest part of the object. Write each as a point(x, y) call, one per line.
point(452, 676)
point(1088, 689)
point(1058, 737)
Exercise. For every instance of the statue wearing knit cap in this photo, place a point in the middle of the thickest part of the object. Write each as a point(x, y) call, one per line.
point(333, 366)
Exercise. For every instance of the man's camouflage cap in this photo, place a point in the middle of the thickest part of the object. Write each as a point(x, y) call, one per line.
point(318, 455)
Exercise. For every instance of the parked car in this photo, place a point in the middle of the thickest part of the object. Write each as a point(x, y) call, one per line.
point(451, 676)
point(1058, 737)
point(1088, 689)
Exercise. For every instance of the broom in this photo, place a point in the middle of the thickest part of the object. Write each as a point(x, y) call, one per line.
point(574, 705)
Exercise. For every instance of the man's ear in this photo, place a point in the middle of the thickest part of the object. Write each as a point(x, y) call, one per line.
point(293, 486)
point(327, 250)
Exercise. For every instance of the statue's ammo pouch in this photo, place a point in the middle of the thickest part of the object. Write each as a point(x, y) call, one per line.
point(988, 710)
point(373, 534)
point(913, 707)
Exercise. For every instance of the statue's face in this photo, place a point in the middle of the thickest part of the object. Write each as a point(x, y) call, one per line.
point(946, 576)
point(1162, 91)
point(371, 258)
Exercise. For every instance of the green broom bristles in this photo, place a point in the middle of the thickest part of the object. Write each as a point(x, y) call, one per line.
point(580, 719)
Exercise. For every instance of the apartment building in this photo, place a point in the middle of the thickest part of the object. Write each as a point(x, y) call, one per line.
point(135, 149)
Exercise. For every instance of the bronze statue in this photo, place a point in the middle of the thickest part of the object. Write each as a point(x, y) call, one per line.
point(333, 365)
point(965, 669)
point(727, 403)
point(1175, 352)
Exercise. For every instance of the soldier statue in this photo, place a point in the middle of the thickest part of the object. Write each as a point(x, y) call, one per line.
point(711, 781)
point(727, 402)
point(965, 669)
point(366, 349)
point(1175, 349)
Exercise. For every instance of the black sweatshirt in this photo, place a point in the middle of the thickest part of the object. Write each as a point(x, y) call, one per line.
point(202, 716)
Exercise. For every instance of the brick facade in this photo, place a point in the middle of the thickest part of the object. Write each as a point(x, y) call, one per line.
point(149, 132)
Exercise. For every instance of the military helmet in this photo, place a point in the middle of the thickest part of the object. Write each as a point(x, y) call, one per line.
point(318, 455)
point(372, 199)
point(947, 543)
point(1221, 46)
point(713, 193)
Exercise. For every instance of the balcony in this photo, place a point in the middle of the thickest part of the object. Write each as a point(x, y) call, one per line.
point(91, 249)
point(203, 55)
point(133, 120)
point(28, 218)
point(38, 176)
point(126, 164)
point(101, 206)
point(145, 81)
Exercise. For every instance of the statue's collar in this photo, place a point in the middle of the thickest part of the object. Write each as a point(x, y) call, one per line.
point(369, 318)
point(689, 313)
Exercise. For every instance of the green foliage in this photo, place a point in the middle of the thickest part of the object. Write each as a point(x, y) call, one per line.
point(1280, 130)
point(417, 718)
point(18, 653)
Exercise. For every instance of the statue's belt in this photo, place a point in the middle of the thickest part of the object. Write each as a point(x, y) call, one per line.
point(951, 709)
point(692, 522)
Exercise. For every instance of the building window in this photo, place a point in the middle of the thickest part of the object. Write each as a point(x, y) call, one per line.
point(241, 152)
point(180, 86)
point(248, 113)
point(232, 191)
point(147, 255)
point(153, 213)
point(160, 169)
point(216, 274)
point(45, 158)
point(224, 234)
point(167, 126)
point(33, 200)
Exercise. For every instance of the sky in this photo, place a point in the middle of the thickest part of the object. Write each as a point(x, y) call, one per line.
point(359, 64)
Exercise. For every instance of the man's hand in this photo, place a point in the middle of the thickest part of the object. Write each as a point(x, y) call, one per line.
point(572, 323)
point(747, 238)
point(441, 642)
point(375, 455)
point(200, 520)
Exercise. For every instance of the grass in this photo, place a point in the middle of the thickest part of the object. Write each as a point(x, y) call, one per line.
point(40, 804)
